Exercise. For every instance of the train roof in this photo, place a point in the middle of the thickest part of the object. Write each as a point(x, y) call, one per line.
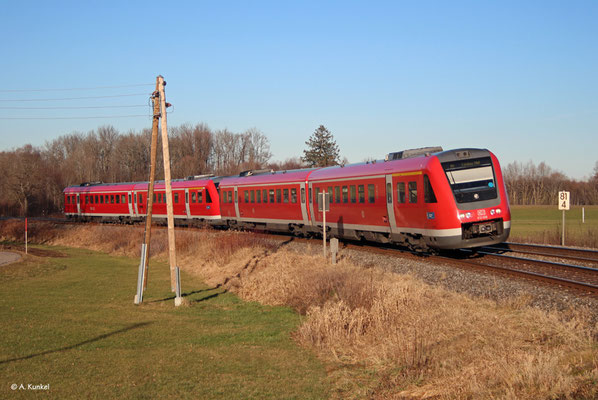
point(296, 175)
point(125, 186)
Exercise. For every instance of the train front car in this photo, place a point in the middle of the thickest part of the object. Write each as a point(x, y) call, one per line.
point(474, 193)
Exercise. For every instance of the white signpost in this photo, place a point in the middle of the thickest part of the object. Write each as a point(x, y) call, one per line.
point(323, 206)
point(564, 198)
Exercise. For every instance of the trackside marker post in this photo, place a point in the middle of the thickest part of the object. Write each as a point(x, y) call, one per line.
point(140, 276)
point(323, 206)
point(564, 198)
point(25, 235)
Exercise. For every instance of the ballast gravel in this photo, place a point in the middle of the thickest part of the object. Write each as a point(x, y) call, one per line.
point(476, 284)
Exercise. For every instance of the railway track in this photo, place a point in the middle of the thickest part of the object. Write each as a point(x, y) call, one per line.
point(566, 267)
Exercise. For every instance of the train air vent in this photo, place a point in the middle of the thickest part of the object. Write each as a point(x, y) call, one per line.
point(424, 151)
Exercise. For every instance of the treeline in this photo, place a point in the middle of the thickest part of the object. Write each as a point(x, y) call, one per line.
point(33, 178)
point(530, 184)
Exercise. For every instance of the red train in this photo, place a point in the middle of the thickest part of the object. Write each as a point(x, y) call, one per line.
point(419, 198)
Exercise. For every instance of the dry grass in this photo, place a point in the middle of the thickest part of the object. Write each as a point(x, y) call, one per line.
point(385, 335)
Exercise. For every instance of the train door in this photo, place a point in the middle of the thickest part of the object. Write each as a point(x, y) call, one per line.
point(237, 203)
point(187, 203)
point(130, 203)
point(141, 203)
point(303, 199)
point(78, 204)
point(392, 222)
point(312, 205)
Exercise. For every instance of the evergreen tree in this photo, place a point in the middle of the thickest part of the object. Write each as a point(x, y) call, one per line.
point(322, 149)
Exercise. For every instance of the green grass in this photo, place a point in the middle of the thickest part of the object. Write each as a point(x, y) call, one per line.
point(543, 224)
point(70, 322)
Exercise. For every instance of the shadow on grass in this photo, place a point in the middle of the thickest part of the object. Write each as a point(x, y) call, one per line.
point(95, 339)
point(188, 294)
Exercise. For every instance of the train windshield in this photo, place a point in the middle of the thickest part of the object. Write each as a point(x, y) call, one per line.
point(471, 180)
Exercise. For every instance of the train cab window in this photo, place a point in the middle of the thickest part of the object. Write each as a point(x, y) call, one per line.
point(176, 198)
point(208, 197)
point(401, 192)
point(271, 195)
point(258, 196)
point(353, 194)
point(265, 195)
point(194, 197)
point(285, 195)
point(293, 195)
point(389, 193)
point(429, 196)
point(371, 193)
point(345, 194)
point(412, 192)
point(361, 191)
point(252, 196)
point(302, 195)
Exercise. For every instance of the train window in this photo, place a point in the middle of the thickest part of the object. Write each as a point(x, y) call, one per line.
point(186, 197)
point(401, 192)
point(353, 194)
point(101, 199)
point(129, 198)
point(278, 196)
point(285, 195)
point(309, 193)
point(258, 196)
point(208, 197)
point(271, 195)
point(316, 195)
point(139, 198)
point(91, 199)
point(200, 196)
point(302, 195)
point(236, 196)
point(412, 192)
point(253, 196)
point(97, 199)
point(345, 194)
point(176, 198)
point(123, 198)
point(194, 197)
point(429, 196)
point(293, 195)
point(330, 194)
point(337, 194)
point(371, 193)
point(111, 199)
point(86, 199)
point(361, 190)
point(117, 199)
point(389, 193)
point(265, 195)
point(246, 196)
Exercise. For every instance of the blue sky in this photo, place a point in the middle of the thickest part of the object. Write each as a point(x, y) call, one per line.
point(519, 78)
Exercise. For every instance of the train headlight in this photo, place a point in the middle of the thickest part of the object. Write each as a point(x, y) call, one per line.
point(498, 210)
point(492, 212)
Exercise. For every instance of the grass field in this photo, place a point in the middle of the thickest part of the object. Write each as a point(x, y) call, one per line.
point(543, 224)
point(70, 322)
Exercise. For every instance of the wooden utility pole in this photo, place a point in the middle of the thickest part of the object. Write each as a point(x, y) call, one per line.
point(150, 191)
point(169, 209)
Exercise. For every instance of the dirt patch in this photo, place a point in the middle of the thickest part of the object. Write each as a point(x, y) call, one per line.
point(33, 251)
